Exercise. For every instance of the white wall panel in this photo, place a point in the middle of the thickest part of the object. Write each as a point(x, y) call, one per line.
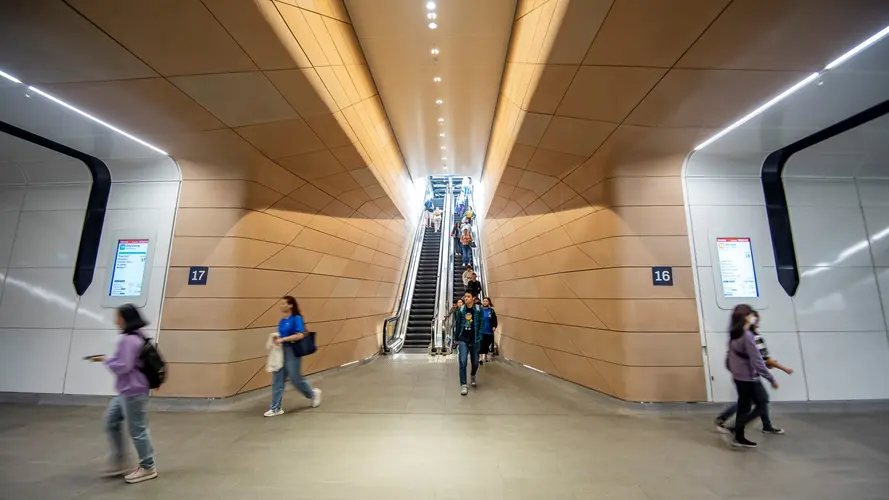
point(33, 360)
point(829, 236)
point(846, 365)
point(803, 192)
point(838, 299)
point(38, 298)
point(47, 239)
point(877, 221)
point(58, 197)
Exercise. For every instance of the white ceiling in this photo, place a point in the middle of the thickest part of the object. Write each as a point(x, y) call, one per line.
point(23, 162)
point(856, 85)
point(472, 37)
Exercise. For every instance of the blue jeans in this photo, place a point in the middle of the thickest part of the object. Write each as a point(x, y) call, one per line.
point(133, 409)
point(467, 254)
point(465, 351)
point(763, 394)
point(292, 368)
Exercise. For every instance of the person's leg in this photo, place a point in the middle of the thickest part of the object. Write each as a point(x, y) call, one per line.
point(761, 400)
point(473, 353)
point(114, 417)
point(462, 354)
point(745, 414)
point(278, 388)
point(294, 371)
point(727, 413)
point(136, 408)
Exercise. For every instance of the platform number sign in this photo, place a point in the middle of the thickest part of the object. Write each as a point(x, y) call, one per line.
point(197, 275)
point(662, 276)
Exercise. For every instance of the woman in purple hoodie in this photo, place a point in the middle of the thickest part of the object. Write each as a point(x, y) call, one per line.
point(746, 364)
point(131, 402)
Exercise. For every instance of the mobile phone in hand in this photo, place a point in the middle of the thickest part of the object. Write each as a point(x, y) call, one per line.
point(92, 357)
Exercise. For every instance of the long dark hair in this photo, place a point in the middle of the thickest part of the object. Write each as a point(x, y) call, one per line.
point(294, 307)
point(739, 320)
point(490, 302)
point(132, 319)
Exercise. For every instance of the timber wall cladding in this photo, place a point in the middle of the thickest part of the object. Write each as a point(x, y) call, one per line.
point(293, 182)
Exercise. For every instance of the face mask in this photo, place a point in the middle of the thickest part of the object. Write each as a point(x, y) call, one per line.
point(753, 320)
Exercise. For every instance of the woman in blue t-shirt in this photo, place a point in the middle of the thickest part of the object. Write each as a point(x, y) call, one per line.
point(489, 326)
point(291, 329)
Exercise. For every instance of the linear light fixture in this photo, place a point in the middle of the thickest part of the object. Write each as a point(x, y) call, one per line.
point(81, 112)
point(802, 83)
point(858, 48)
point(10, 77)
point(93, 118)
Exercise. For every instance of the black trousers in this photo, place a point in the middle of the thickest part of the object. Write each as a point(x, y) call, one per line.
point(752, 400)
point(487, 343)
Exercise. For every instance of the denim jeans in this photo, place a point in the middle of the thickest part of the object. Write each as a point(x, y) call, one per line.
point(292, 369)
point(133, 409)
point(764, 416)
point(465, 351)
point(467, 254)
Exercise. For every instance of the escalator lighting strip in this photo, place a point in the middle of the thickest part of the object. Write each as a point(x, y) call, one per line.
point(10, 77)
point(858, 48)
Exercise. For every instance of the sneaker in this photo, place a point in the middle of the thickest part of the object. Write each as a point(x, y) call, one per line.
point(472, 382)
point(481, 362)
point(773, 430)
point(464, 390)
point(743, 443)
point(273, 413)
point(316, 398)
point(115, 469)
point(721, 427)
point(140, 474)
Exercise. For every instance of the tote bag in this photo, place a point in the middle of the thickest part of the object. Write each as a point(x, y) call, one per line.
point(305, 346)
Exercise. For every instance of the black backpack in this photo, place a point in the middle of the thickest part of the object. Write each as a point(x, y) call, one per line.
point(153, 365)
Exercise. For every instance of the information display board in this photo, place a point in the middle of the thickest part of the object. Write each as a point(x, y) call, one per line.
point(130, 253)
point(736, 268)
point(128, 273)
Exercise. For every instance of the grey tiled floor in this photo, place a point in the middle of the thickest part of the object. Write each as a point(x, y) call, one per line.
point(398, 429)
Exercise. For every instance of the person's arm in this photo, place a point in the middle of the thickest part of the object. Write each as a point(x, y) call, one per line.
point(493, 319)
point(124, 360)
point(771, 363)
point(756, 358)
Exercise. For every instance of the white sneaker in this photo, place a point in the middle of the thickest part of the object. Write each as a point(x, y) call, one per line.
point(140, 474)
point(273, 413)
point(464, 390)
point(316, 398)
point(472, 382)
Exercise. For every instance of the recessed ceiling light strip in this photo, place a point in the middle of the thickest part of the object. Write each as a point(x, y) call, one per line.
point(82, 113)
point(93, 118)
point(836, 62)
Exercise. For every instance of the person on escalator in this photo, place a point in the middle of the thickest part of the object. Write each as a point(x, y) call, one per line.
point(436, 219)
point(466, 247)
point(489, 326)
point(430, 208)
point(449, 323)
point(469, 336)
point(474, 287)
point(467, 276)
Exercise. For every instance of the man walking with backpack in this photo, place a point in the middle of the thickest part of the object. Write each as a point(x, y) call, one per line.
point(137, 367)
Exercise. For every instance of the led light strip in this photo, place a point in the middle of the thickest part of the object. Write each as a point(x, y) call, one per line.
point(802, 83)
point(82, 113)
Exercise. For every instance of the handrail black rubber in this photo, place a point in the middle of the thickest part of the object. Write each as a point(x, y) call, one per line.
point(97, 204)
point(776, 198)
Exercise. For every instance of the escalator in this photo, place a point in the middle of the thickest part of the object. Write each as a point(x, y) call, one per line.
point(419, 324)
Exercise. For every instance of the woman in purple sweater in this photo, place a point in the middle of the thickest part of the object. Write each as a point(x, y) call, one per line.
point(746, 364)
point(131, 402)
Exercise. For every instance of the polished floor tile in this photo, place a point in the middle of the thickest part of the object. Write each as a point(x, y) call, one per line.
point(398, 428)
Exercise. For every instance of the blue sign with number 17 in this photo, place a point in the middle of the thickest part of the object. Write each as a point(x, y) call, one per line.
point(197, 275)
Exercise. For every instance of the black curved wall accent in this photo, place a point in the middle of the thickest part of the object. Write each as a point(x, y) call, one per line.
point(94, 218)
point(776, 199)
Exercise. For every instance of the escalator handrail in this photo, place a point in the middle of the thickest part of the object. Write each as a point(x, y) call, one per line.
point(438, 341)
point(407, 293)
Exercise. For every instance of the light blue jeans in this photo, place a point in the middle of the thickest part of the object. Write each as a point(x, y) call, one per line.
point(292, 369)
point(133, 409)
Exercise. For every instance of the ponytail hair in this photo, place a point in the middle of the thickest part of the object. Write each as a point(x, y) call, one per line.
point(739, 320)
